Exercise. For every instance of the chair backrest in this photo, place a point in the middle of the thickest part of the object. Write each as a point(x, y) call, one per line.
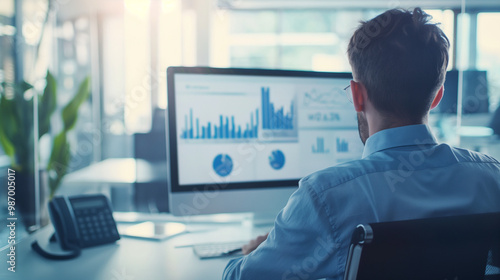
point(455, 247)
point(152, 196)
point(152, 146)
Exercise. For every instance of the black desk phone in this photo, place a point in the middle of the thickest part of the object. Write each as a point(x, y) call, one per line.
point(80, 222)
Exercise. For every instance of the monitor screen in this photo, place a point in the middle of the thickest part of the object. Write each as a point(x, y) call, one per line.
point(244, 128)
point(475, 97)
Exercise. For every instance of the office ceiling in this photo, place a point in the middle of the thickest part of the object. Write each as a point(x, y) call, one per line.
point(75, 8)
point(357, 4)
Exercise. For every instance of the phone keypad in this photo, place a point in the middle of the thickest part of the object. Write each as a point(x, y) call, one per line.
point(96, 226)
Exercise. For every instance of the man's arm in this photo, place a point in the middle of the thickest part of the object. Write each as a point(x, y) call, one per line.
point(253, 244)
point(300, 246)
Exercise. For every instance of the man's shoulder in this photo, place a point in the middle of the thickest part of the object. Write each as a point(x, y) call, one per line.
point(444, 155)
point(341, 173)
point(473, 156)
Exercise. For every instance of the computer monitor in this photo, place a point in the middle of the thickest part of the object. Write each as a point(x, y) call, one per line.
point(240, 139)
point(475, 97)
point(495, 122)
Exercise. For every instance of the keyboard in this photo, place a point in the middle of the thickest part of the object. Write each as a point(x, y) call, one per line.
point(217, 250)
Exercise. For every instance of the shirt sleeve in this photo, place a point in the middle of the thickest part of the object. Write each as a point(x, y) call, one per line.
point(300, 246)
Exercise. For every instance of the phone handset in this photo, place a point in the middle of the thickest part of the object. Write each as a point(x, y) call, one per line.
point(64, 224)
point(65, 231)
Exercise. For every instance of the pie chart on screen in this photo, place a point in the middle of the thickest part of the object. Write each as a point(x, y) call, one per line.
point(223, 165)
point(277, 159)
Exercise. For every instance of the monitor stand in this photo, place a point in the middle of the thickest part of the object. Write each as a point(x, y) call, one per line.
point(261, 219)
point(154, 230)
point(162, 226)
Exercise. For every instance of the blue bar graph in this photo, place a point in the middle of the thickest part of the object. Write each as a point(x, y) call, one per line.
point(319, 148)
point(342, 146)
point(273, 118)
point(225, 128)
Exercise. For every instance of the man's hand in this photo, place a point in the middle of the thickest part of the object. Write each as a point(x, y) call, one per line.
point(253, 244)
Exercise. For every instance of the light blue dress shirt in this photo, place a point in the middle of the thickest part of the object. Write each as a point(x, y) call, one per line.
point(404, 174)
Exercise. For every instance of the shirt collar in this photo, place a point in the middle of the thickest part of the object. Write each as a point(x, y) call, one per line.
point(409, 135)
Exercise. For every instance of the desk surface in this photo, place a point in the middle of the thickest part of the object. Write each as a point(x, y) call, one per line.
point(127, 259)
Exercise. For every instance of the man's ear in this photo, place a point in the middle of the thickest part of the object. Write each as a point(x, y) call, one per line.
point(358, 95)
point(438, 97)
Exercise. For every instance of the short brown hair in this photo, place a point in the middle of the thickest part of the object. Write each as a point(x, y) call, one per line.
point(401, 59)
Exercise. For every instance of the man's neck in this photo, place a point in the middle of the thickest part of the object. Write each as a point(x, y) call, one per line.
point(380, 123)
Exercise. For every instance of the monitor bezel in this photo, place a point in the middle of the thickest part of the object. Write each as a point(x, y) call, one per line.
point(171, 123)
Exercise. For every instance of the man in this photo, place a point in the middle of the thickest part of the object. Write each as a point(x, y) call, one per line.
point(399, 62)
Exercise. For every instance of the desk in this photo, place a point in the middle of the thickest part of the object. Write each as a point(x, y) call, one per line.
point(127, 259)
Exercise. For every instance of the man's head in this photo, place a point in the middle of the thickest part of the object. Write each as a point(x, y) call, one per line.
point(400, 60)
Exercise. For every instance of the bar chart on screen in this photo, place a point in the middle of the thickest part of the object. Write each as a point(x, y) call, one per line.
point(342, 145)
point(226, 128)
point(274, 117)
point(231, 116)
point(279, 117)
point(319, 146)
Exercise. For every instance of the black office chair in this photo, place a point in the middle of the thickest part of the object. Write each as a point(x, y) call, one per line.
point(457, 247)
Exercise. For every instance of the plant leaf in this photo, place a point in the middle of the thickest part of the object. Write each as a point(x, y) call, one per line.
point(7, 145)
point(22, 139)
point(57, 154)
point(70, 112)
point(47, 104)
point(23, 86)
point(21, 111)
point(59, 160)
point(9, 128)
point(9, 120)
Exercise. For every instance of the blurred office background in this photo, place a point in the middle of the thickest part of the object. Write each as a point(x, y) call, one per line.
point(125, 47)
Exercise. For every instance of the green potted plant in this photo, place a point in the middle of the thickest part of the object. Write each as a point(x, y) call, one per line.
point(17, 137)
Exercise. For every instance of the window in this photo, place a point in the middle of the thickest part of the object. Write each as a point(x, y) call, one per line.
point(294, 39)
point(488, 54)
